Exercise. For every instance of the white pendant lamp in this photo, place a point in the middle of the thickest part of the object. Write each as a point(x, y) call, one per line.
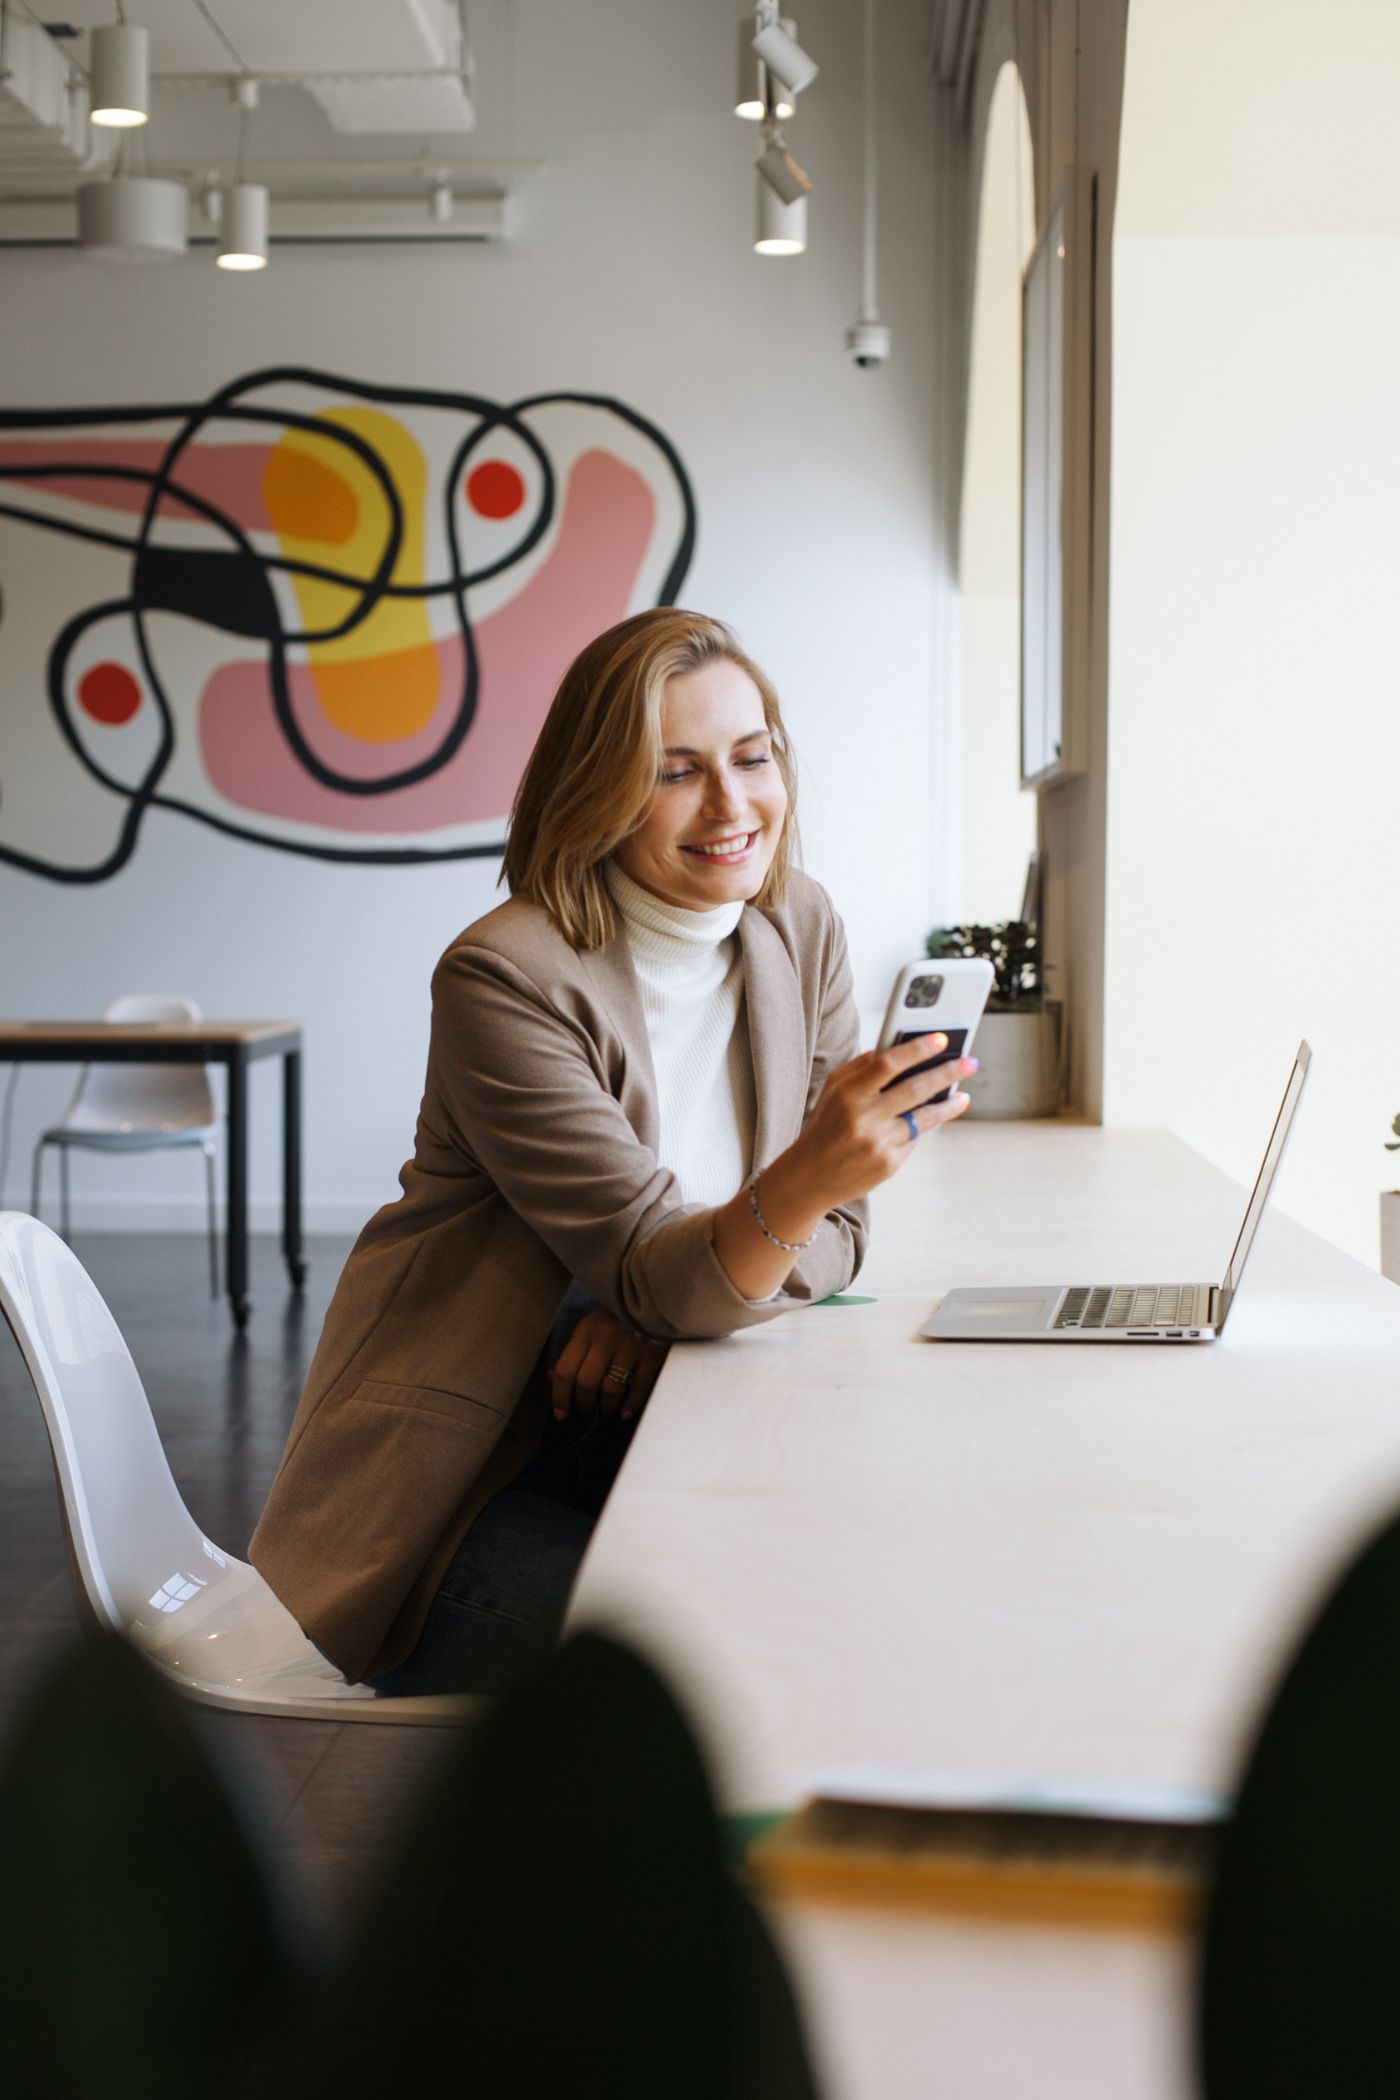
point(120, 75)
point(132, 218)
point(781, 228)
point(754, 85)
point(243, 227)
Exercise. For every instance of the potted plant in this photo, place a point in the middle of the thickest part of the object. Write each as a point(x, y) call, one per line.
point(1018, 1043)
point(1390, 1219)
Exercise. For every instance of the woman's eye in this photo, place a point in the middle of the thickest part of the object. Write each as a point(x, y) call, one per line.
point(683, 773)
point(751, 762)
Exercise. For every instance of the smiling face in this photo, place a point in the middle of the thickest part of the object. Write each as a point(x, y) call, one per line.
point(718, 812)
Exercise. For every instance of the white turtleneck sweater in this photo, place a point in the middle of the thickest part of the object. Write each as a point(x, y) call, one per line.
point(691, 976)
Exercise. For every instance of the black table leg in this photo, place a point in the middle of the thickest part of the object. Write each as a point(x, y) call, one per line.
point(237, 1233)
point(291, 1167)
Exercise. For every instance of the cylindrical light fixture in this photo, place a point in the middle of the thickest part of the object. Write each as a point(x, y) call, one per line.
point(754, 87)
point(781, 228)
point(132, 218)
point(121, 58)
point(785, 58)
point(243, 237)
point(781, 172)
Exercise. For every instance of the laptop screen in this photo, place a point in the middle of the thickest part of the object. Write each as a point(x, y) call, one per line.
point(1260, 1196)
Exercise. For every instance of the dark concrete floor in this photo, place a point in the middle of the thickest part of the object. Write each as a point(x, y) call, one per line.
point(329, 1794)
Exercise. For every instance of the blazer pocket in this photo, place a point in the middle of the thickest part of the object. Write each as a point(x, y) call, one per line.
point(460, 1409)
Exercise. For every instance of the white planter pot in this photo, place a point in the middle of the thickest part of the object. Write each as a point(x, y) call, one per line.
point(1390, 1234)
point(1019, 1059)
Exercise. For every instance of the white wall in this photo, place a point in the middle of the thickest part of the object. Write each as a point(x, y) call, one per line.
point(1254, 848)
point(632, 274)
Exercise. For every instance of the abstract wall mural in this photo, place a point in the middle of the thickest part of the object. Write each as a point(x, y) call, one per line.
point(319, 615)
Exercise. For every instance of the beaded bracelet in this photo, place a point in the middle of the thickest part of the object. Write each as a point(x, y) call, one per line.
point(788, 1246)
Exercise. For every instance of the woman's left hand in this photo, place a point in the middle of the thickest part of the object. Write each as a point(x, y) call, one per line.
point(590, 1372)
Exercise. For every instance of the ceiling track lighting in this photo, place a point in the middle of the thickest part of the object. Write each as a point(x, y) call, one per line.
point(121, 74)
point(758, 95)
point(781, 228)
point(782, 54)
point(773, 67)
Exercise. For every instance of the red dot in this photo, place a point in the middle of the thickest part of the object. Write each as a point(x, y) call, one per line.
point(109, 693)
point(495, 489)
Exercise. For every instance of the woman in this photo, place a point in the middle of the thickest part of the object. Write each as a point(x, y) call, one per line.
point(643, 1122)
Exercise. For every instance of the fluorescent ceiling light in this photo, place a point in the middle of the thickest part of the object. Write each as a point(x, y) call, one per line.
point(120, 75)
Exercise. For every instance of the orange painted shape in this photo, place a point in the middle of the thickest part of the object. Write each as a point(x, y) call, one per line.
point(307, 500)
point(379, 699)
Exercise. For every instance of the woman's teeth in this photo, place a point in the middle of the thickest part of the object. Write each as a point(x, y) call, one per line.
point(724, 849)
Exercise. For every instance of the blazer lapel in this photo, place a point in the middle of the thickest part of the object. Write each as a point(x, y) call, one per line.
point(777, 1036)
point(614, 983)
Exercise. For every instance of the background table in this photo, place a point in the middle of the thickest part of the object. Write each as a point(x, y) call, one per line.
point(232, 1044)
point(848, 1544)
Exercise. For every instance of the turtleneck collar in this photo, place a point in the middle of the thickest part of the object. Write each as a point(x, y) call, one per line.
point(660, 923)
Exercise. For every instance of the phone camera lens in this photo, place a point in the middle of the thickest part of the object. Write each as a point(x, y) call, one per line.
point(924, 991)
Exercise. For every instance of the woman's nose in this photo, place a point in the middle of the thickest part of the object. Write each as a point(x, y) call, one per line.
point(725, 797)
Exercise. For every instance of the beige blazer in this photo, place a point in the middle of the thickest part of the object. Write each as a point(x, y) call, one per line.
point(534, 1163)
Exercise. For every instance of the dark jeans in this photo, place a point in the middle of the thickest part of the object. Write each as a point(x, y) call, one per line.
point(501, 1604)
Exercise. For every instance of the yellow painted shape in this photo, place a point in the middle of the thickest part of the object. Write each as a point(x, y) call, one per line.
point(307, 499)
point(379, 682)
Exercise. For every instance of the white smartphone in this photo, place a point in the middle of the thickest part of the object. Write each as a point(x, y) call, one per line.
point(946, 995)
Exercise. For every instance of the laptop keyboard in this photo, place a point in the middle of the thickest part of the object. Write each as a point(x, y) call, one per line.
point(1168, 1305)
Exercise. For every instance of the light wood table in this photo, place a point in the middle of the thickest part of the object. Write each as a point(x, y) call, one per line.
point(847, 1544)
point(234, 1045)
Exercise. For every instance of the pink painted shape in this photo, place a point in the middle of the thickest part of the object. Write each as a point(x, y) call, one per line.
point(228, 476)
point(585, 585)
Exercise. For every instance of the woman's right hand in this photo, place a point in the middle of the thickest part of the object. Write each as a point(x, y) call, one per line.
point(857, 1135)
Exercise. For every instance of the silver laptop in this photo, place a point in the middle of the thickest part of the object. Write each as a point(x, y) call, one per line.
point(1120, 1312)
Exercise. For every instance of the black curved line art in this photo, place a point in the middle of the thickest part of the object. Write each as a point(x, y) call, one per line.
point(226, 582)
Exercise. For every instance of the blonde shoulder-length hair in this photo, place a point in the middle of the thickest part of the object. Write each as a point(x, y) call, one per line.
point(594, 771)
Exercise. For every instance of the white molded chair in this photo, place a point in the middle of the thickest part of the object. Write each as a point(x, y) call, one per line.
point(140, 1563)
point(138, 1108)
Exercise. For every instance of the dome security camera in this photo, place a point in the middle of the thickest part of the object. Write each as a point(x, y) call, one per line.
point(868, 343)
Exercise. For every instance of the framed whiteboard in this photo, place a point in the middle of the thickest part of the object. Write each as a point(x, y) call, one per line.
point(1057, 438)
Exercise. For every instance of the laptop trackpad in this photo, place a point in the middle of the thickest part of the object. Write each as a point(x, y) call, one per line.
point(972, 1313)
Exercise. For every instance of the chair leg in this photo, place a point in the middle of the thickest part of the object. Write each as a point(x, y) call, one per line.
point(34, 1179)
point(208, 1151)
point(65, 1210)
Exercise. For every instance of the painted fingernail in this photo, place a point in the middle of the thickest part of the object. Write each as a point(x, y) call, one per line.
point(971, 1064)
point(559, 1413)
point(939, 1042)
